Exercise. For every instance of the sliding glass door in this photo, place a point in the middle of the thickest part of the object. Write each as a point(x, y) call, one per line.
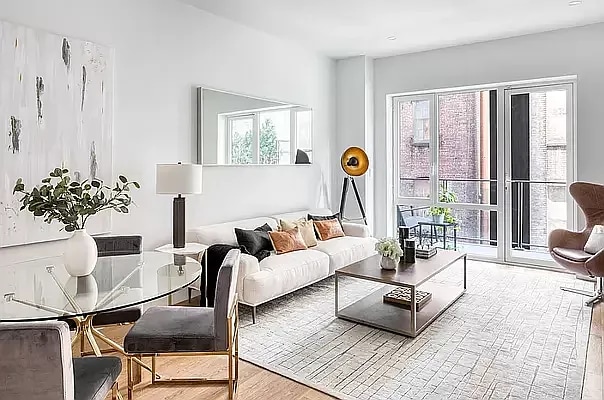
point(498, 159)
point(538, 168)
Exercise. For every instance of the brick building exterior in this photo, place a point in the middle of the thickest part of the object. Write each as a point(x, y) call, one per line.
point(464, 154)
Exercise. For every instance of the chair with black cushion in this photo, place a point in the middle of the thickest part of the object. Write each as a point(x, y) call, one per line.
point(115, 246)
point(192, 331)
point(36, 364)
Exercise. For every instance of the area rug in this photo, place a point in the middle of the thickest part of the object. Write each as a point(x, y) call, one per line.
point(513, 335)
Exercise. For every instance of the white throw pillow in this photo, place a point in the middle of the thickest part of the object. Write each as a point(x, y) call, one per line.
point(595, 242)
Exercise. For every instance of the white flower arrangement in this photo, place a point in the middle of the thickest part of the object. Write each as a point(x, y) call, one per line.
point(390, 248)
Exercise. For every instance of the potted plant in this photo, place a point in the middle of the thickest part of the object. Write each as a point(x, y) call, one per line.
point(438, 214)
point(391, 252)
point(72, 203)
point(443, 214)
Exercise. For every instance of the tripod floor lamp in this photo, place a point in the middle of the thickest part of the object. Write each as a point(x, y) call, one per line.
point(354, 162)
point(178, 179)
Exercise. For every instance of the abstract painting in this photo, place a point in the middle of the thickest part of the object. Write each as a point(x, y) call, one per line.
point(56, 109)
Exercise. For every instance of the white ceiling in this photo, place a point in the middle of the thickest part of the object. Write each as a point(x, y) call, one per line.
point(342, 28)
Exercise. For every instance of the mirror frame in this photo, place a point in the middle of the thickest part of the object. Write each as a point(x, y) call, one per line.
point(200, 118)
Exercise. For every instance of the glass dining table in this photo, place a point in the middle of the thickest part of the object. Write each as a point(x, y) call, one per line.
point(42, 289)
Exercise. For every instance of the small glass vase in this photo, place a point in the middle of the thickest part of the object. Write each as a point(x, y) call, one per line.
point(388, 263)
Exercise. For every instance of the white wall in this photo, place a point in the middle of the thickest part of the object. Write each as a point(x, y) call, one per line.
point(163, 50)
point(354, 94)
point(577, 51)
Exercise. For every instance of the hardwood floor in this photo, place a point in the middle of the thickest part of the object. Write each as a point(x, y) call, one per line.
point(258, 384)
point(254, 383)
point(593, 384)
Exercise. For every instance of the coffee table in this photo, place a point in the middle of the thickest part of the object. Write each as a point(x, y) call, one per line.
point(371, 309)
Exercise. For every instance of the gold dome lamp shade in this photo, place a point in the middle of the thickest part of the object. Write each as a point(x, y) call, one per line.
point(355, 163)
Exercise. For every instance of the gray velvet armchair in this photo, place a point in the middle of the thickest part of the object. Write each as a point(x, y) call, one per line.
point(36, 364)
point(192, 331)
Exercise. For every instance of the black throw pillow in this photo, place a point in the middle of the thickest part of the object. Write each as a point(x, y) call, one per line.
point(255, 241)
point(324, 217)
point(264, 228)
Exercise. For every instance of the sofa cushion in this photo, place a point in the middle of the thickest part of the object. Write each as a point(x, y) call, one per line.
point(225, 233)
point(572, 254)
point(168, 329)
point(93, 377)
point(346, 250)
point(284, 273)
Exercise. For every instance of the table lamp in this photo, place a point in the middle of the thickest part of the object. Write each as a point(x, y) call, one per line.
point(178, 179)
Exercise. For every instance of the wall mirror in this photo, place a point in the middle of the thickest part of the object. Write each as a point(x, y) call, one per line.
point(235, 129)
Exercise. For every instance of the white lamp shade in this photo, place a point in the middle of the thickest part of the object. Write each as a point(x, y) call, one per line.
point(178, 179)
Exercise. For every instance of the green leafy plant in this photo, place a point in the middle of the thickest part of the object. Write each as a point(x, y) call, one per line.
point(390, 248)
point(70, 202)
point(445, 196)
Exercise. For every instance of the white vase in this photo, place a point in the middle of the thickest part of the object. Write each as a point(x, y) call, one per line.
point(80, 254)
point(438, 218)
point(388, 263)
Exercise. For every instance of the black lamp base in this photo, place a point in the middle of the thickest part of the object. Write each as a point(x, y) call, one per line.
point(178, 222)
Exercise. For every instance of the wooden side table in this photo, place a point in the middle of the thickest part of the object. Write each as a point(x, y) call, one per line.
point(195, 251)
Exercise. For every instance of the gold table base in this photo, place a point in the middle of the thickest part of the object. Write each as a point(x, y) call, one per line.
point(85, 331)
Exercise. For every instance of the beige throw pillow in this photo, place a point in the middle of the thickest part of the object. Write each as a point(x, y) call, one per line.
point(307, 229)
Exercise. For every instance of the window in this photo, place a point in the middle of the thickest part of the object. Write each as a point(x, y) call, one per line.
point(421, 121)
point(240, 140)
point(412, 125)
point(268, 136)
point(275, 137)
point(304, 132)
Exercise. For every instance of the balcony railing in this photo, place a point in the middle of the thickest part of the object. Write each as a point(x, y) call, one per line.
point(520, 207)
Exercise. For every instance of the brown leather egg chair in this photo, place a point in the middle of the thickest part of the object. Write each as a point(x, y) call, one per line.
point(566, 247)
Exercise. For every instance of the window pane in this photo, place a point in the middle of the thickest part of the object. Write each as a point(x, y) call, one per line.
point(464, 147)
point(547, 154)
point(413, 124)
point(241, 140)
point(304, 132)
point(275, 137)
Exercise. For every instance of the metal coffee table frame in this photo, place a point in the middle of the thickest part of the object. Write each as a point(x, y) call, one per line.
point(372, 311)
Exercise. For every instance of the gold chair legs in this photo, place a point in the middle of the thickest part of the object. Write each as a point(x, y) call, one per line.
point(156, 379)
point(115, 392)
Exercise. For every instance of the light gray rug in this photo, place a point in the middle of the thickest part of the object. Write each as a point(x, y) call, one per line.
point(513, 335)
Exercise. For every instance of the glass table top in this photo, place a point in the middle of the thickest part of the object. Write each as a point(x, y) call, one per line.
point(43, 290)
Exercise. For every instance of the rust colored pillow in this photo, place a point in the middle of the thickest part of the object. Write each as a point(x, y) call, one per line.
point(329, 229)
point(287, 241)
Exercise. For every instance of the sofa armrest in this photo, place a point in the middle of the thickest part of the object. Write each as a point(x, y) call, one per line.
point(248, 265)
point(356, 230)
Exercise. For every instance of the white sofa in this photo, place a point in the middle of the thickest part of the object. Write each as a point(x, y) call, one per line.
point(276, 275)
